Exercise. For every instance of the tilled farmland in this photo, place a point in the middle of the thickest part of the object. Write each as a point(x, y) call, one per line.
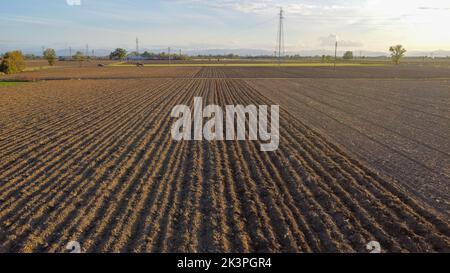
point(93, 161)
point(400, 127)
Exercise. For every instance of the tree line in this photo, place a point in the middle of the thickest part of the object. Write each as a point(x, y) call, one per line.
point(14, 61)
point(121, 54)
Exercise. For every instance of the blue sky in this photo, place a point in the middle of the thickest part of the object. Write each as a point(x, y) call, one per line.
point(206, 24)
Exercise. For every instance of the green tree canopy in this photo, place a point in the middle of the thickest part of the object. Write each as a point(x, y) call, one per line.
point(29, 57)
point(13, 62)
point(50, 56)
point(397, 53)
point(348, 55)
point(147, 54)
point(118, 54)
point(79, 56)
point(326, 58)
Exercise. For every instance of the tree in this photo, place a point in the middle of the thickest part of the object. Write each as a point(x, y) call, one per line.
point(79, 56)
point(348, 55)
point(147, 54)
point(118, 54)
point(13, 62)
point(397, 53)
point(50, 56)
point(30, 57)
point(182, 57)
point(326, 58)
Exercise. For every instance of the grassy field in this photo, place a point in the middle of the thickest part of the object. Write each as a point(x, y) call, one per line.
point(2, 84)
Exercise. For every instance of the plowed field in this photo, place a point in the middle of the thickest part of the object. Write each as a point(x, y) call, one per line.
point(93, 161)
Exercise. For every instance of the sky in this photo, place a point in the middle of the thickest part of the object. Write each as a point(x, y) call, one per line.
point(371, 25)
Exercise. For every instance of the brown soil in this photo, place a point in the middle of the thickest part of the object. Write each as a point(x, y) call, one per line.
point(93, 161)
point(400, 127)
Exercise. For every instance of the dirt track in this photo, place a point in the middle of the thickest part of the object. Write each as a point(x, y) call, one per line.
point(94, 161)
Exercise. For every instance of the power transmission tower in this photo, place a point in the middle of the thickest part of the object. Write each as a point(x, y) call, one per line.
point(137, 46)
point(335, 55)
point(280, 37)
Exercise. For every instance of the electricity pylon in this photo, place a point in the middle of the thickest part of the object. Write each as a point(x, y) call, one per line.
point(280, 37)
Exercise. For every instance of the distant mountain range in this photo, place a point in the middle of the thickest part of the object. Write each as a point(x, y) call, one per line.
point(248, 52)
point(259, 52)
point(436, 53)
point(307, 53)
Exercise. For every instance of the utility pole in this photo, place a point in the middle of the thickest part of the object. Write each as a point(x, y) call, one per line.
point(280, 38)
point(70, 52)
point(335, 53)
point(170, 58)
point(87, 50)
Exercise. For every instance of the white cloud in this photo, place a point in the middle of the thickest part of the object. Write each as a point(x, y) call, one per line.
point(433, 8)
point(418, 24)
point(332, 38)
point(29, 20)
point(73, 2)
point(264, 6)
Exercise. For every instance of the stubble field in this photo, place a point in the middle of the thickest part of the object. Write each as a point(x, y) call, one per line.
point(86, 154)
